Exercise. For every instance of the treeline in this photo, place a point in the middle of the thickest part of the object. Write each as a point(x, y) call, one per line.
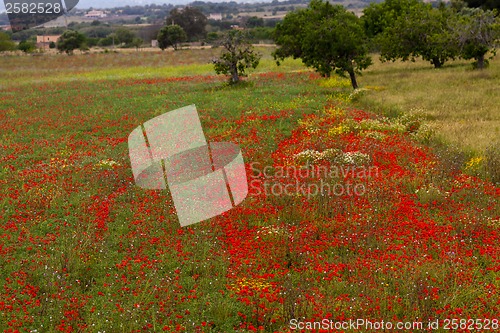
point(190, 24)
point(230, 7)
point(407, 29)
point(94, 33)
point(339, 40)
point(193, 23)
point(331, 39)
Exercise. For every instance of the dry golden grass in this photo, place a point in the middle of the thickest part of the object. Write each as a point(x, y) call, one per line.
point(462, 104)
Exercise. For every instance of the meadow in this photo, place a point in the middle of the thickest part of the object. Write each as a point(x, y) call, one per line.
point(83, 249)
point(461, 104)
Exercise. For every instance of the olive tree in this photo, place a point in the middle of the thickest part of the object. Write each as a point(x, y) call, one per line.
point(171, 35)
point(424, 32)
point(237, 56)
point(69, 41)
point(478, 32)
point(326, 37)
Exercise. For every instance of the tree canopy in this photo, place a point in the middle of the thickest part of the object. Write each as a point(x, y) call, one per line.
point(237, 56)
point(6, 44)
point(70, 40)
point(326, 37)
point(379, 16)
point(124, 36)
point(406, 29)
point(477, 33)
point(26, 46)
point(171, 35)
point(191, 19)
point(422, 32)
point(254, 22)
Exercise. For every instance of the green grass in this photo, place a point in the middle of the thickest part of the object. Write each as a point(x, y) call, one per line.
point(103, 254)
point(65, 122)
point(459, 105)
point(122, 65)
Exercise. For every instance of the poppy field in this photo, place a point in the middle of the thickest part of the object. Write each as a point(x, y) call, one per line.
point(350, 216)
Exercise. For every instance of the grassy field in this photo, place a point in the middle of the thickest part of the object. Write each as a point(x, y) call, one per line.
point(463, 105)
point(123, 64)
point(388, 232)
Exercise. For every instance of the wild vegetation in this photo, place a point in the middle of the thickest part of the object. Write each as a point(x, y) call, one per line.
point(377, 204)
point(237, 57)
point(327, 38)
point(458, 104)
point(84, 249)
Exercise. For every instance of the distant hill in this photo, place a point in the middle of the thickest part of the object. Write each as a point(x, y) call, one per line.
point(83, 4)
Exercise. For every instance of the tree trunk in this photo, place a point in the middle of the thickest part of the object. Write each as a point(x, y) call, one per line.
point(235, 78)
point(480, 61)
point(352, 75)
point(436, 63)
point(234, 74)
